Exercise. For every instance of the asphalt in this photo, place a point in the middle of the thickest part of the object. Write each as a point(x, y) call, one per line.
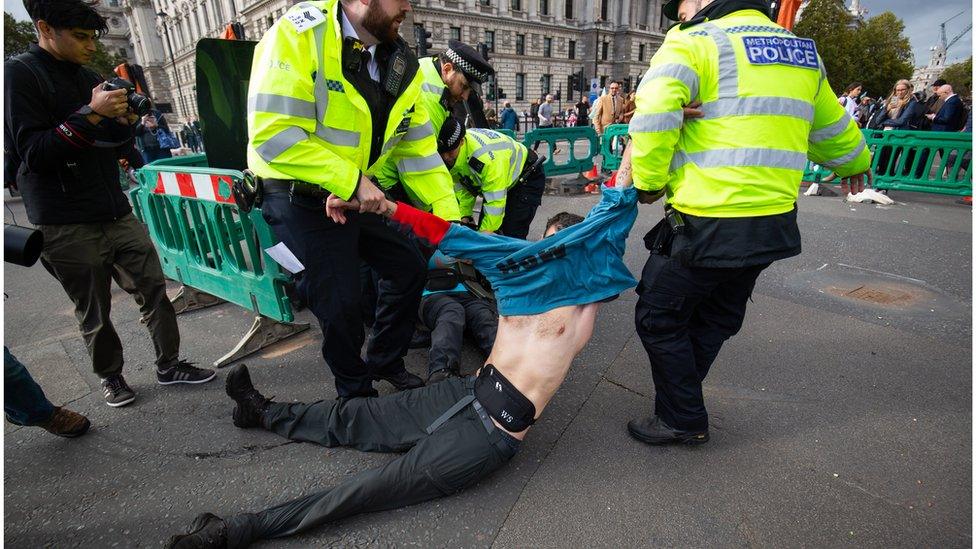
point(840, 416)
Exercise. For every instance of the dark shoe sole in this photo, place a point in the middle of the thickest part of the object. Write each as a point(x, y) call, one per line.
point(695, 439)
point(198, 524)
point(187, 381)
point(400, 387)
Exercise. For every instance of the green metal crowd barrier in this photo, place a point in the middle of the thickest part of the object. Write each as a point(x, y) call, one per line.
point(505, 131)
point(216, 251)
point(570, 135)
point(920, 161)
point(614, 153)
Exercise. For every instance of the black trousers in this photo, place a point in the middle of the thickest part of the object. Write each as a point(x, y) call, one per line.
point(85, 258)
point(447, 316)
point(520, 206)
point(683, 317)
point(331, 285)
point(465, 449)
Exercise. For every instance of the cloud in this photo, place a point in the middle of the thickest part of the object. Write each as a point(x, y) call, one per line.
point(922, 20)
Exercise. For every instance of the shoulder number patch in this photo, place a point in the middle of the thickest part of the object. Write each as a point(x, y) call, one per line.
point(775, 50)
point(305, 17)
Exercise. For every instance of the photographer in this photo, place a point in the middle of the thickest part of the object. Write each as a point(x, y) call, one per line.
point(154, 140)
point(67, 145)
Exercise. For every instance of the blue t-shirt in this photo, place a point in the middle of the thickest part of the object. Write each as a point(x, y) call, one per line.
point(440, 261)
point(578, 265)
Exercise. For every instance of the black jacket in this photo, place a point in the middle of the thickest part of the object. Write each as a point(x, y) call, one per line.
point(951, 117)
point(68, 167)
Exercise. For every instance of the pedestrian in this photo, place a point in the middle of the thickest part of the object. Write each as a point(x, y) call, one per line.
point(546, 115)
point(355, 117)
point(630, 106)
point(509, 118)
point(67, 138)
point(583, 112)
point(730, 179)
point(153, 140)
point(24, 403)
point(951, 116)
point(849, 100)
point(609, 109)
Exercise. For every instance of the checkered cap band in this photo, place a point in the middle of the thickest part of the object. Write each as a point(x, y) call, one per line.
point(466, 68)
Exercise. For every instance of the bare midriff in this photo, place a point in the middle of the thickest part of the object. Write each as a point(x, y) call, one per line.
point(534, 352)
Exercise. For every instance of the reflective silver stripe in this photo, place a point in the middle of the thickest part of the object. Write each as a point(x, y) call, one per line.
point(518, 158)
point(423, 164)
point(656, 122)
point(335, 136)
point(495, 195)
point(493, 210)
point(723, 158)
point(728, 69)
point(743, 106)
point(684, 73)
point(831, 131)
point(281, 104)
point(280, 142)
point(321, 87)
point(432, 88)
point(491, 147)
point(459, 187)
point(416, 133)
point(477, 137)
point(391, 142)
point(840, 161)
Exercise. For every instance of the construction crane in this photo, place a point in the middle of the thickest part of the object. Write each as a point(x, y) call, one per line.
point(946, 44)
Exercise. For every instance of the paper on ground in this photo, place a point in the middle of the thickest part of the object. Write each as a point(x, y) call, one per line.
point(283, 256)
point(870, 195)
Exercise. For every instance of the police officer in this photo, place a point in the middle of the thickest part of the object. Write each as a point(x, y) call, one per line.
point(449, 79)
point(334, 97)
point(731, 180)
point(504, 172)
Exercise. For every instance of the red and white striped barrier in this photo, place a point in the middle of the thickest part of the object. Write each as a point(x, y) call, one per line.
point(194, 185)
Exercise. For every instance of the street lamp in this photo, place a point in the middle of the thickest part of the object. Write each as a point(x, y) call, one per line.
point(179, 87)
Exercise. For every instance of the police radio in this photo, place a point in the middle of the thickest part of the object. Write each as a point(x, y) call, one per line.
point(396, 70)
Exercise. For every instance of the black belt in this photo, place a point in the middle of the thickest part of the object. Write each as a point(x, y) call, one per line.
point(292, 187)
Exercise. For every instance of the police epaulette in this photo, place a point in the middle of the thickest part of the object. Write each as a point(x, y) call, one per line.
point(476, 164)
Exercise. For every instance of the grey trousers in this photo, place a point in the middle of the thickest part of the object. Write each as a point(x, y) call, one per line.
point(459, 453)
point(447, 316)
point(85, 258)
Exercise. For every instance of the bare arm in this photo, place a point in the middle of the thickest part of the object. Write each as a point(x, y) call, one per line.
point(625, 178)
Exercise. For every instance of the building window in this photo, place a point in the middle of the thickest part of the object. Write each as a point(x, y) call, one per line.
point(544, 7)
point(606, 51)
point(490, 40)
point(519, 44)
point(516, 5)
point(546, 83)
point(572, 49)
point(123, 52)
point(113, 3)
point(570, 80)
point(547, 47)
point(604, 10)
point(455, 33)
point(627, 82)
point(569, 9)
point(640, 52)
point(603, 81)
point(520, 86)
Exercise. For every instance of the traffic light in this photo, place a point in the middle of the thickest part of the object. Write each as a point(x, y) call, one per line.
point(490, 92)
point(483, 50)
point(422, 37)
point(501, 93)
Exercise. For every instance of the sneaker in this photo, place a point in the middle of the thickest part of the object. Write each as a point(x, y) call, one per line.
point(117, 391)
point(813, 190)
point(207, 531)
point(66, 423)
point(184, 372)
point(251, 404)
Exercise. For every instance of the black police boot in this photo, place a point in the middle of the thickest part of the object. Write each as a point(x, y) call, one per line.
point(402, 380)
point(208, 531)
point(439, 375)
point(653, 430)
point(251, 404)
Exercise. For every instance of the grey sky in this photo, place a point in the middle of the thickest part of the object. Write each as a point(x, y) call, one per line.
point(921, 17)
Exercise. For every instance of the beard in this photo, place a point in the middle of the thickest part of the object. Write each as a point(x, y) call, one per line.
point(380, 25)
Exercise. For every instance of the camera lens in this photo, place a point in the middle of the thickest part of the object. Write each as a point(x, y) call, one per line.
point(140, 104)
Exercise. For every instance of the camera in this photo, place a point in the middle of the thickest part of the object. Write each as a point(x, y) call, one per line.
point(21, 245)
point(139, 103)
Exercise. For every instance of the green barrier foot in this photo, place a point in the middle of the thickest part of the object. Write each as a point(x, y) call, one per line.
point(191, 299)
point(263, 332)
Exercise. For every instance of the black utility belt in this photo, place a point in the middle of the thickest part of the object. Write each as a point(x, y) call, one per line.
point(294, 187)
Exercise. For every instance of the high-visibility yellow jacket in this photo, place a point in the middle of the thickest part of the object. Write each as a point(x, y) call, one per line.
point(432, 91)
point(768, 107)
point(318, 128)
point(491, 163)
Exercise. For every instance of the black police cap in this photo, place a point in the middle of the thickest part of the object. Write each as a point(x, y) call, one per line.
point(467, 60)
point(450, 136)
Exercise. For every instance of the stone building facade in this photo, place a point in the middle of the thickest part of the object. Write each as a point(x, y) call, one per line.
point(536, 44)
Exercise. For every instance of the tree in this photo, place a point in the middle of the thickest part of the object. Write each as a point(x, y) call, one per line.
point(960, 77)
point(17, 35)
point(831, 26)
point(885, 55)
point(104, 62)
